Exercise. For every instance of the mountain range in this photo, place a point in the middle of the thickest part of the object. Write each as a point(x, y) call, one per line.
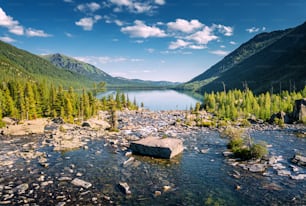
point(268, 62)
point(97, 75)
point(272, 61)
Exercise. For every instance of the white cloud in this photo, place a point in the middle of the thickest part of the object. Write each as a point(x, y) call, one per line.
point(121, 2)
point(88, 22)
point(253, 30)
point(178, 44)
point(134, 6)
point(7, 39)
point(143, 31)
point(220, 52)
point(98, 60)
point(36, 33)
point(197, 47)
point(204, 36)
point(233, 42)
point(160, 2)
point(263, 28)
point(222, 46)
point(12, 25)
point(225, 30)
point(89, 7)
point(184, 25)
point(68, 34)
point(68, 1)
point(118, 22)
point(150, 50)
point(15, 28)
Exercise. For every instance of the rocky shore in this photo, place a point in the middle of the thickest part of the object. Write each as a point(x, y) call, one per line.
point(133, 125)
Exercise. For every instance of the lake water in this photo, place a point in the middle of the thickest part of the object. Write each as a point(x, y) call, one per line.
point(157, 100)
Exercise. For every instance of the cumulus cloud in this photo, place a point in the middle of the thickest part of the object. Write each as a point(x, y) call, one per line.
point(253, 30)
point(68, 1)
point(88, 22)
point(197, 47)
point(204, 36)
point(14, 27)
point(220, 52)
point(160, 2)
point(140, 29)
point(36, 33)
point(178, 44)
point(184, 25)
point(89, 7)
point(232, 42)
point(7, 39)
point(134, 6)
point(225, 30)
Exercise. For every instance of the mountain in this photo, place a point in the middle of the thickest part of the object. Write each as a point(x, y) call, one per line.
point(97, 75)
point(269, 61)
point(21, 65)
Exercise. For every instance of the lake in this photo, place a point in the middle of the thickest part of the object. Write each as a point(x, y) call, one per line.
point(157, 100)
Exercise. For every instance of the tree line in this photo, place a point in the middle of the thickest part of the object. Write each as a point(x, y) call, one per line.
point(27, 100)
point(236, 104)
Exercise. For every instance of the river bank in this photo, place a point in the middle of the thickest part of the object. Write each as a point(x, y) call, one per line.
point(73, 164)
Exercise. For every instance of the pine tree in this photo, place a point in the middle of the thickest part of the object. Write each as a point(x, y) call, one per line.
point(30, 102)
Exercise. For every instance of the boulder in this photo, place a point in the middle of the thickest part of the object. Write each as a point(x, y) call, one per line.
point(257, 168)
point(86, 124)
point(299, 111)
point(81, 183)
point(299, 160)
point(285, 118)
point(157, 147)
point(125, 188)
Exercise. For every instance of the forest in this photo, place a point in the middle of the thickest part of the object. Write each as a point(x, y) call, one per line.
point(27, 100)
point(235, 104)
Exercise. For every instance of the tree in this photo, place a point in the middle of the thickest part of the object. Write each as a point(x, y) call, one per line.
point(30, 102)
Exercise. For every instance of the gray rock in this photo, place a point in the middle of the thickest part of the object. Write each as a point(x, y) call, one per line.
point(158, 147)
point(257, 168)
point(298, 177)
point(64, 179)
point(299, 111)
point(283, 173)
point(125, 188)
point(299, 160)
point(21, 189)
point(81, 183)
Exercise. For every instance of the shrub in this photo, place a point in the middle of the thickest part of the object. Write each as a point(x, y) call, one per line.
point(259, 150)
point(242, 146)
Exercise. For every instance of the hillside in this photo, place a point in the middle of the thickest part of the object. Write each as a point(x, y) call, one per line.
point(268, 61)
point(95, 74)
point(19, 64)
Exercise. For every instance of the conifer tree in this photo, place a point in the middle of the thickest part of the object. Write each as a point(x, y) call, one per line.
point(30, 103)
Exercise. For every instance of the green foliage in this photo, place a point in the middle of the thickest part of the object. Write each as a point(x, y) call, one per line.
point(31, 100)
point(242, 145)
point(258, 150)
point(236, 104)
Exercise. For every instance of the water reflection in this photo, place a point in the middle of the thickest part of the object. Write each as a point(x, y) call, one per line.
point(157, 100)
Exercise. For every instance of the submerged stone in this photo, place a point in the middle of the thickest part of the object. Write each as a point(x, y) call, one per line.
point(81, 183)
point(158, 147)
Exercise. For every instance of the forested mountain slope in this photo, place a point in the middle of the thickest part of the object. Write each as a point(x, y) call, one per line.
point(270, 61)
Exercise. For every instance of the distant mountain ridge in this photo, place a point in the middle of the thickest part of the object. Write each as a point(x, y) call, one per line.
point(269, 61)
point(97, 75)
point(19, 64)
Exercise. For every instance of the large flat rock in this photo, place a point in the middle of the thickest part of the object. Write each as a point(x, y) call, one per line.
point(158, 147)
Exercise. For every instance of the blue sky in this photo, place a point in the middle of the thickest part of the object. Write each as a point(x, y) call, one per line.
point(172, 40)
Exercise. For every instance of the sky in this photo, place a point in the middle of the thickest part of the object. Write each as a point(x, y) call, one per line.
point(172, 40)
